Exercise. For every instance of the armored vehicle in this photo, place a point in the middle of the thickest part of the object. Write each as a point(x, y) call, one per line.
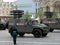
point(50, 21)
point(31, 26)
point(28, 26)
point(53, 23)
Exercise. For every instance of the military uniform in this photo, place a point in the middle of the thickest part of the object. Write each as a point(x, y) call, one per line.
point(14, 35)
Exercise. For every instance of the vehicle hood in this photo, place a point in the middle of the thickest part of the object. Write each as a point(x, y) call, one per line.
point(40, 25)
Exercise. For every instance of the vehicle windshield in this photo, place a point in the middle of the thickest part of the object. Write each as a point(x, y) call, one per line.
point(35, 22)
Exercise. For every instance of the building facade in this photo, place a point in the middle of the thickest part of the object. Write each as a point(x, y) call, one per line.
point(54, 5)
point(6, 7)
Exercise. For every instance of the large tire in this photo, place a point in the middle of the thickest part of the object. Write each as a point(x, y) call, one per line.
point(2, 27)
point(37, 33)
point(21, 34)
point(44, 34)
point(51, 30)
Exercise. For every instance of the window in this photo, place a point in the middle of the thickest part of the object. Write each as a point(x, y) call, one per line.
point(57, 7)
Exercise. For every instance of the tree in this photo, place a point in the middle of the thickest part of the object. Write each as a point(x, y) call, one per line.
point(54, 14)
point(26, 15)
point(14, 6)
point(40, 14)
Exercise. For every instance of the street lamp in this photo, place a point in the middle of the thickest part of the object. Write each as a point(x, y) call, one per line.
point(36, 8)
point(36, 4)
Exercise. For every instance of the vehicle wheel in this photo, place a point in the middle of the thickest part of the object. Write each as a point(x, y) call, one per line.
point(21, 34)
point(2, 27)
point(37, 33)
point(44, 34)
point(51, 30)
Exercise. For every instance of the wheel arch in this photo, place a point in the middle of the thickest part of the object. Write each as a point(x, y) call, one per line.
point(37, 28)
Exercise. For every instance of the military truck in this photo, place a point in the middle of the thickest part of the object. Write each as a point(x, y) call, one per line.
point(53, 23)
point(31, 26)
point(28, 26)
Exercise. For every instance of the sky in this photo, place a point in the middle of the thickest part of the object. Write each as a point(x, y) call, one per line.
point(26, 5)
point(9, 0)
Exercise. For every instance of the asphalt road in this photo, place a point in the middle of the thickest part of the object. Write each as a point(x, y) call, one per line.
point(28, 39)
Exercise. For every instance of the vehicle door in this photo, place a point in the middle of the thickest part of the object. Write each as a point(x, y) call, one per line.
point(58, 23)
point(28, 26)
point(20, 25)
point(54, 23)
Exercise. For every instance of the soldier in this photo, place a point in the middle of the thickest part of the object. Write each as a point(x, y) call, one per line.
point(13, 32)
point(13, 28)
point(14, 35)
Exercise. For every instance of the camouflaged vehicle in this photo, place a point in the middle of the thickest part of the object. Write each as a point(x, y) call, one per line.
point(52, 23)
point(30, 26)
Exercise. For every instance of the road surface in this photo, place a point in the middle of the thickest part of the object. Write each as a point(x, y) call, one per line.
point(53, 38)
